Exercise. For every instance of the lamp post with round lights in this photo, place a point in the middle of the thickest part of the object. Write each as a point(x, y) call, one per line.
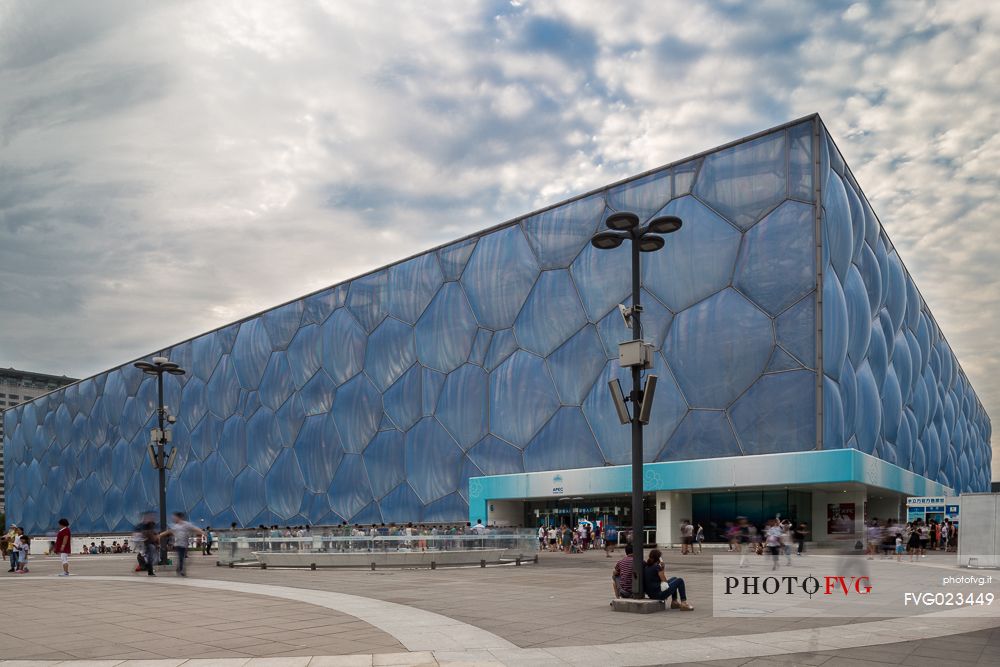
point(161, 436)
point(636, 354)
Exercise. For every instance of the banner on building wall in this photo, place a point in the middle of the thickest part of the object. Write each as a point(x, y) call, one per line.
point(840, 518)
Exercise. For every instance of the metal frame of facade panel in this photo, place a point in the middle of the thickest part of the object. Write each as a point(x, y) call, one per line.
point(378, 398)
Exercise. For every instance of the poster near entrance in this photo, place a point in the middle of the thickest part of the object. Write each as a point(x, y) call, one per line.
point(840, 518)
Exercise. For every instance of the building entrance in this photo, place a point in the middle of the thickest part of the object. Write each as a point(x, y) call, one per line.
point(605, 511)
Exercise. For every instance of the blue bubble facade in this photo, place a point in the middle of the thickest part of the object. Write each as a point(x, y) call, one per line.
point(375, 400)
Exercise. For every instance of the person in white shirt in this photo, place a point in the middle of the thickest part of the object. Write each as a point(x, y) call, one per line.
point(181, 529)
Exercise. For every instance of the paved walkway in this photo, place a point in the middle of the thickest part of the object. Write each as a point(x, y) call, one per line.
point(553, 613)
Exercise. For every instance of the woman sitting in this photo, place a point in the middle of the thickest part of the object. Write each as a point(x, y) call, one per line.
point(657, 586)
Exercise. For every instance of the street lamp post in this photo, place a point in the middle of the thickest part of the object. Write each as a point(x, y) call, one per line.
point(158, 453)
point(624, 226)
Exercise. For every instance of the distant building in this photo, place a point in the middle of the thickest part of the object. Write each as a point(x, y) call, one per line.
point(17, 387)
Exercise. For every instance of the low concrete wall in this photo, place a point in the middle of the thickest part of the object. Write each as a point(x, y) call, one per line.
point(380, 558)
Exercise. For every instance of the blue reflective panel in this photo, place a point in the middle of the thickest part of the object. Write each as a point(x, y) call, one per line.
point(872, 277)
point(857, 219)
point(318, 451)
point(282, 323)
point(452, 508)
point(522, 397)
point(87, 394)
point(305, 354)
point(480, 346)
point(113, 397)
point(558, 235)
point(696, 261)
point(263, 440)
point(684, 175)
point(878, 354)
point(401, 505)
point(445, 332)
point(319, 306)
point(433, 460)
point(205, 436)
point(233, 443)
point(848, 385)
point(403, 401)
point(576, 365)
point(566, 441)
point(390, 352)
point(835, 325)
point(904, 443)
point(702, 434)
point(223, 389)
point(454, 256)
point(837, 227)
point(781, 361)
point(385, 461)
point(868, 410)
point(315, 510)
point(602, 278)
point(717, 348)
point(289, 418)
point(64, 426)
point(112, 509)
point(251, 352)
point(498, 277)
point(193, 404)
point(318, 394)
point(350, 491)
point(368, 299)
point(284, 485)
point(102, 467)
point(217, 484)
point(913, 305)
point(190, 483)
point(495, 457)
point(776, 263)
point(642, 196)
point(276, 385)
point(932, 451)
point(357, 409)
point(431, 383)
point(777, 414)
point(903, 366)
point(833, 415)
point(859, 322)
point(895, 299)
point(205, 354)
point(248, 496)
point(551, 314)
point(800, 164)
point(501, 347)
point(655, 321)
point(412, 284)
point(745, 181)
point(343, 346)
point(469, 470)
point(463, 405)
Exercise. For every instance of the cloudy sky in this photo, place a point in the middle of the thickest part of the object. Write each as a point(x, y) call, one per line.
point(167, 167)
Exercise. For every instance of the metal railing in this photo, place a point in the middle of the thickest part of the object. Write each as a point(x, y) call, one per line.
point(239, 548)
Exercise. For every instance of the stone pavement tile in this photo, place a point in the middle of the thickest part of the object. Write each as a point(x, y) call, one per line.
point(154, 663)
point(466, 658)
point(216, 662)
point(268, 650)
point(90, 663)
point(888, 653)
point(278, 662)
point(730, 662)
point(837, 661)
point(341, 661)
point(929, 649)
point(414, 658)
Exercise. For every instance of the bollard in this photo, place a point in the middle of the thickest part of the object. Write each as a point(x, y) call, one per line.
point(263, 566)
point(536, 559)
point(232, 564)
point(312, 566)
point(517, 561)
point(373, 567)
point(434, 565)
point(482, 563)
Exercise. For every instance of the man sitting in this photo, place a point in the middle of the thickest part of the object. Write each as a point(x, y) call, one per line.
point(621, 577)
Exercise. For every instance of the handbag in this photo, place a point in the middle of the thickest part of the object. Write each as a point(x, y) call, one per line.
point(664, 586)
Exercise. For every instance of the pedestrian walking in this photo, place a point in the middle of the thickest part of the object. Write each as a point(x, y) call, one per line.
point(181, 530)
point(12, 547)
point(209, 539)
point(63, 545)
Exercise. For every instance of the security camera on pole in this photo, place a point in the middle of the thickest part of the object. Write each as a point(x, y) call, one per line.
point(636, 354)
point(159, 437)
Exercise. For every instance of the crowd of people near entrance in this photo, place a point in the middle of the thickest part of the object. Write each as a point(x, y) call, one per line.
point(913, 539)
point(586, 536)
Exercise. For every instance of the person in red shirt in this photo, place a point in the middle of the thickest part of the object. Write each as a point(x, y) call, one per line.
point(63, 545)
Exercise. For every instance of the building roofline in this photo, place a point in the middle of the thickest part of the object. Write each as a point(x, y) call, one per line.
point(32, 375)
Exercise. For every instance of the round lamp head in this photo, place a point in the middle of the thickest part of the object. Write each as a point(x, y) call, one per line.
point(607, 240)
point(622, 221)
point(160, 360)
point(650, 243)
point(665, 224)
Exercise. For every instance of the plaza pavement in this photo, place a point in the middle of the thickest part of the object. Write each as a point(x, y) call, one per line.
point(555, 612)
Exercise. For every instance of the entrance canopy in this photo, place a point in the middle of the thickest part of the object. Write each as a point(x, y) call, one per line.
point(813, 468)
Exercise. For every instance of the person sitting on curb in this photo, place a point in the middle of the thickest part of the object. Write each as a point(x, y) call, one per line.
point(659, 587)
